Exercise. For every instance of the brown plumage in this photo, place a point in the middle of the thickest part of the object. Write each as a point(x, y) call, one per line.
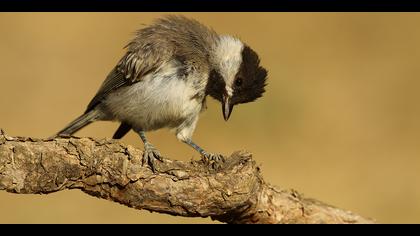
point(164, 77)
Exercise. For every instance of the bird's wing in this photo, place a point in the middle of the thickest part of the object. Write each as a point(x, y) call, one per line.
point(130, 69)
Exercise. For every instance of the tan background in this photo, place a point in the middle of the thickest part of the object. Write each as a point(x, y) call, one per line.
point(339, 121)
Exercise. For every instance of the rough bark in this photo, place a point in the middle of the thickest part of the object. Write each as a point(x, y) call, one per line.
point(234, 192)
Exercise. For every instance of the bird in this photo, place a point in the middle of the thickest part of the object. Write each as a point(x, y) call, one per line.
point(163, 79)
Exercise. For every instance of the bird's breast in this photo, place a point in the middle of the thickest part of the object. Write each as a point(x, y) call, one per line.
point(159, 100)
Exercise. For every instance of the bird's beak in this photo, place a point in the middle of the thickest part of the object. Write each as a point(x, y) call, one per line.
point(226, 107)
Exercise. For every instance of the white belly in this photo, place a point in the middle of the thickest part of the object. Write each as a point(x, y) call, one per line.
point(158, 101)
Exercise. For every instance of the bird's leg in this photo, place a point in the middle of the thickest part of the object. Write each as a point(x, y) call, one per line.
point(207, 157)
point(150, 153)
point(184, 134)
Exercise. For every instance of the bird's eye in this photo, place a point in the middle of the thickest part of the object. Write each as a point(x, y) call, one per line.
point(238, 82)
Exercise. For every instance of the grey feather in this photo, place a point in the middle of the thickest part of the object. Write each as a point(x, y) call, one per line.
point(113, 81)
point(122, 130)
point(156, 45)
point(81, 122)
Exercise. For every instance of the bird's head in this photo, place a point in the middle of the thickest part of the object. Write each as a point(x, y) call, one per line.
point(237, 76)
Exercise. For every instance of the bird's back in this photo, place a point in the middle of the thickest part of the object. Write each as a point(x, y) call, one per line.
point(175, 35)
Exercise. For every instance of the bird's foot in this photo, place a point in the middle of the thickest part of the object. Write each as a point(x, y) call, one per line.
point(213, 160)
point(150, 155)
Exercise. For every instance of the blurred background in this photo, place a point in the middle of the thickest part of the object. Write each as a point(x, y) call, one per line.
point(340, 120)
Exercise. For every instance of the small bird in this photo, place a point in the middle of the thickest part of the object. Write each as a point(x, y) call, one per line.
point(163, 80)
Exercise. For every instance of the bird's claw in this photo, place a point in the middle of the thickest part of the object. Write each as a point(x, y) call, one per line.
point(150, 156)
point(213, 160)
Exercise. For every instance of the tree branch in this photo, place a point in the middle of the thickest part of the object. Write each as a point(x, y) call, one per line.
point(234, 192)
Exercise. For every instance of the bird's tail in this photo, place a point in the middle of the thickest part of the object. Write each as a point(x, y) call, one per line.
point(80, 122)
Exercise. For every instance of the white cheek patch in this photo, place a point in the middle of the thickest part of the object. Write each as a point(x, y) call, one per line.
point(228, 55)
